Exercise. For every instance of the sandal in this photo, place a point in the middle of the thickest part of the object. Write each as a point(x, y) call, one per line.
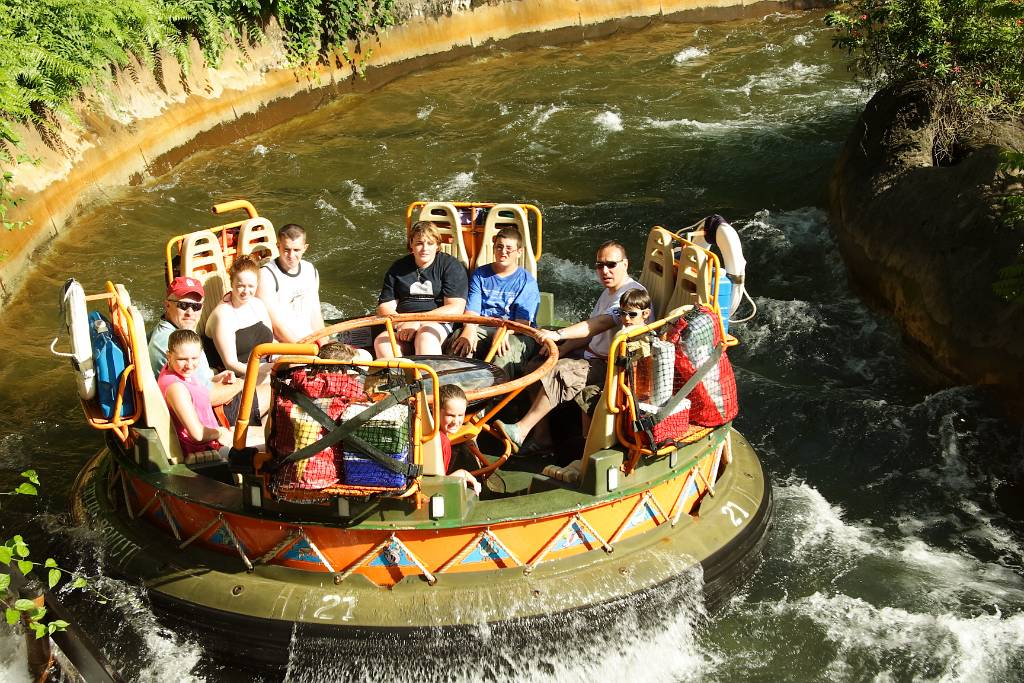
point(511, 432)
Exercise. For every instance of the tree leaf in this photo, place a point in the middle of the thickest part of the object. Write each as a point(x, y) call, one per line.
point(53, 577)
point(25, 566)
point(5, 554)
point(12, 615)
point(79, 582)
point(5, 582)
point(40, 629)
point(24, 605)
point(26, 489)
point(31, 476)
point(21, 549)
point(50, 562)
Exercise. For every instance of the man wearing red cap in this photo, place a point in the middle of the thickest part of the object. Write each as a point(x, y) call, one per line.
point(182, 307)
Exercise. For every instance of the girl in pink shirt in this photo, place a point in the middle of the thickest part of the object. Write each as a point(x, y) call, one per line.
point(189, 399)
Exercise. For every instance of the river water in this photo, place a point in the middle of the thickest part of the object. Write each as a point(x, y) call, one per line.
point(898, 549)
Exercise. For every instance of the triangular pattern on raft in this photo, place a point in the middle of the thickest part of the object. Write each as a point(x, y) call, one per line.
point(302, 551)
point(221, 537)
point(642, 514)
point(486, 550)
point(577, 535)
point(401, 559)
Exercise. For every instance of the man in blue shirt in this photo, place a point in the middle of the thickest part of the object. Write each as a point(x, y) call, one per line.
point(501, 289)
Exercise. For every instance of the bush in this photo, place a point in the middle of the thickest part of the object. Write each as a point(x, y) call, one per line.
point(51, 49)
point(969, 51)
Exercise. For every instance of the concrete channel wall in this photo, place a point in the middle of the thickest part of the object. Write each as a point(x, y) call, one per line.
point(149, 119)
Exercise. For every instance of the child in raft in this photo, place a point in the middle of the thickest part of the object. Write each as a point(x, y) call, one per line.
point(452, 415)
point(202, 439)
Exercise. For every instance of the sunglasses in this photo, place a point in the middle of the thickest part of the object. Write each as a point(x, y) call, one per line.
point(610, 265)
point(194, 306)
point(631, 314)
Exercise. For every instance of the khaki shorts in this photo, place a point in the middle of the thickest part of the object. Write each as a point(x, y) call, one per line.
point(576, 379)
point(521, 350)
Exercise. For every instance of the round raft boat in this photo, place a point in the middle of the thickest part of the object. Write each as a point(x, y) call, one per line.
point(225, 549)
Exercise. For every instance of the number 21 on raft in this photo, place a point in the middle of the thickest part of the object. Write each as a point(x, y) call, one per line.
point(735, 512)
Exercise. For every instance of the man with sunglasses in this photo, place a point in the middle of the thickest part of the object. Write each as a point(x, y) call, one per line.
point(570, 378)
point(183, 305)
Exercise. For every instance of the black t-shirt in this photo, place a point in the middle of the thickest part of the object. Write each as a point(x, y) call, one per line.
point(418, 290)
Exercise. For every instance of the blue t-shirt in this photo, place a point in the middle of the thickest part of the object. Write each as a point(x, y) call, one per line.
point(514, 297)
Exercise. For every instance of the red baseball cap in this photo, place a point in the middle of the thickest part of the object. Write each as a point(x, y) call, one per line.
point(180, 286)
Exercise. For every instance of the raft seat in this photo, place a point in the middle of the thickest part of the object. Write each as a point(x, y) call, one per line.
point(693, 278)
point(658, 272)
point(156, 414)
point(257, 237)
point(203, 259)
point(507, 216)
point(452, 240)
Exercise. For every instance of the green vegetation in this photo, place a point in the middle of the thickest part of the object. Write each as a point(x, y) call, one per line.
point(968, 53)
point(16, 553)
point(51, 49)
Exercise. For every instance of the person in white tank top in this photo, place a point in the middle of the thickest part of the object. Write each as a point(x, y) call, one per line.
point(290, 288)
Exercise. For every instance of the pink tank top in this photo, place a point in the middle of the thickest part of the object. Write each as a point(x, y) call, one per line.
point(204, 409)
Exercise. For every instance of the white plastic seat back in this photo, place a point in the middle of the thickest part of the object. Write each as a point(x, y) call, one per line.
point(203, 259)
point(658, 272)
point(258, 238)
point(507, 216)
point(692, 285)
point(446, 216)
point(155, 410)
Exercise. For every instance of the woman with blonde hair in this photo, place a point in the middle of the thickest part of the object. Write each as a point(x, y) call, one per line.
point(240, 321)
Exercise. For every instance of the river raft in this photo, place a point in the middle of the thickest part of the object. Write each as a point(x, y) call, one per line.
point(225, 553)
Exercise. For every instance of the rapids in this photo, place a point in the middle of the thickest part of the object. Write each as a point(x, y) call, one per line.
point(898, 549)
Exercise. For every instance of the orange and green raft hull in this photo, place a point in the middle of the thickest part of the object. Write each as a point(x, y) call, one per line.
point(220, 567)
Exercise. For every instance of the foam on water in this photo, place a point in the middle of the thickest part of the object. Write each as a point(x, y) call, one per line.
point(424, 112)
point(945, 646)
point(457, 187)
point(325, 207)
point(13, 656)
point(331, 312)
point(610, 121)
point(540, 114)
point(357, 196)
point(822, 524)
point(624, 636)
point(820, 537)
point(791, 76)
point(689, 54)
point(260, 150)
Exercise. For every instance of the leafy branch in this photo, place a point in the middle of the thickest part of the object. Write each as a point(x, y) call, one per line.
point(15, 551)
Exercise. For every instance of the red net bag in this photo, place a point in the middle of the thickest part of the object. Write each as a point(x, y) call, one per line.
point(332, 391)
point(713, 401)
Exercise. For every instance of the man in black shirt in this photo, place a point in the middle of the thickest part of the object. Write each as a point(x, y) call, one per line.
point(425, 280)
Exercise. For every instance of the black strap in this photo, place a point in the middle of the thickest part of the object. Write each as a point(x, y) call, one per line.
point(337, 431)
point(677, 398)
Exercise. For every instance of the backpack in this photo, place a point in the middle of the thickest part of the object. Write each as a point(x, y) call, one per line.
point(109, 360)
